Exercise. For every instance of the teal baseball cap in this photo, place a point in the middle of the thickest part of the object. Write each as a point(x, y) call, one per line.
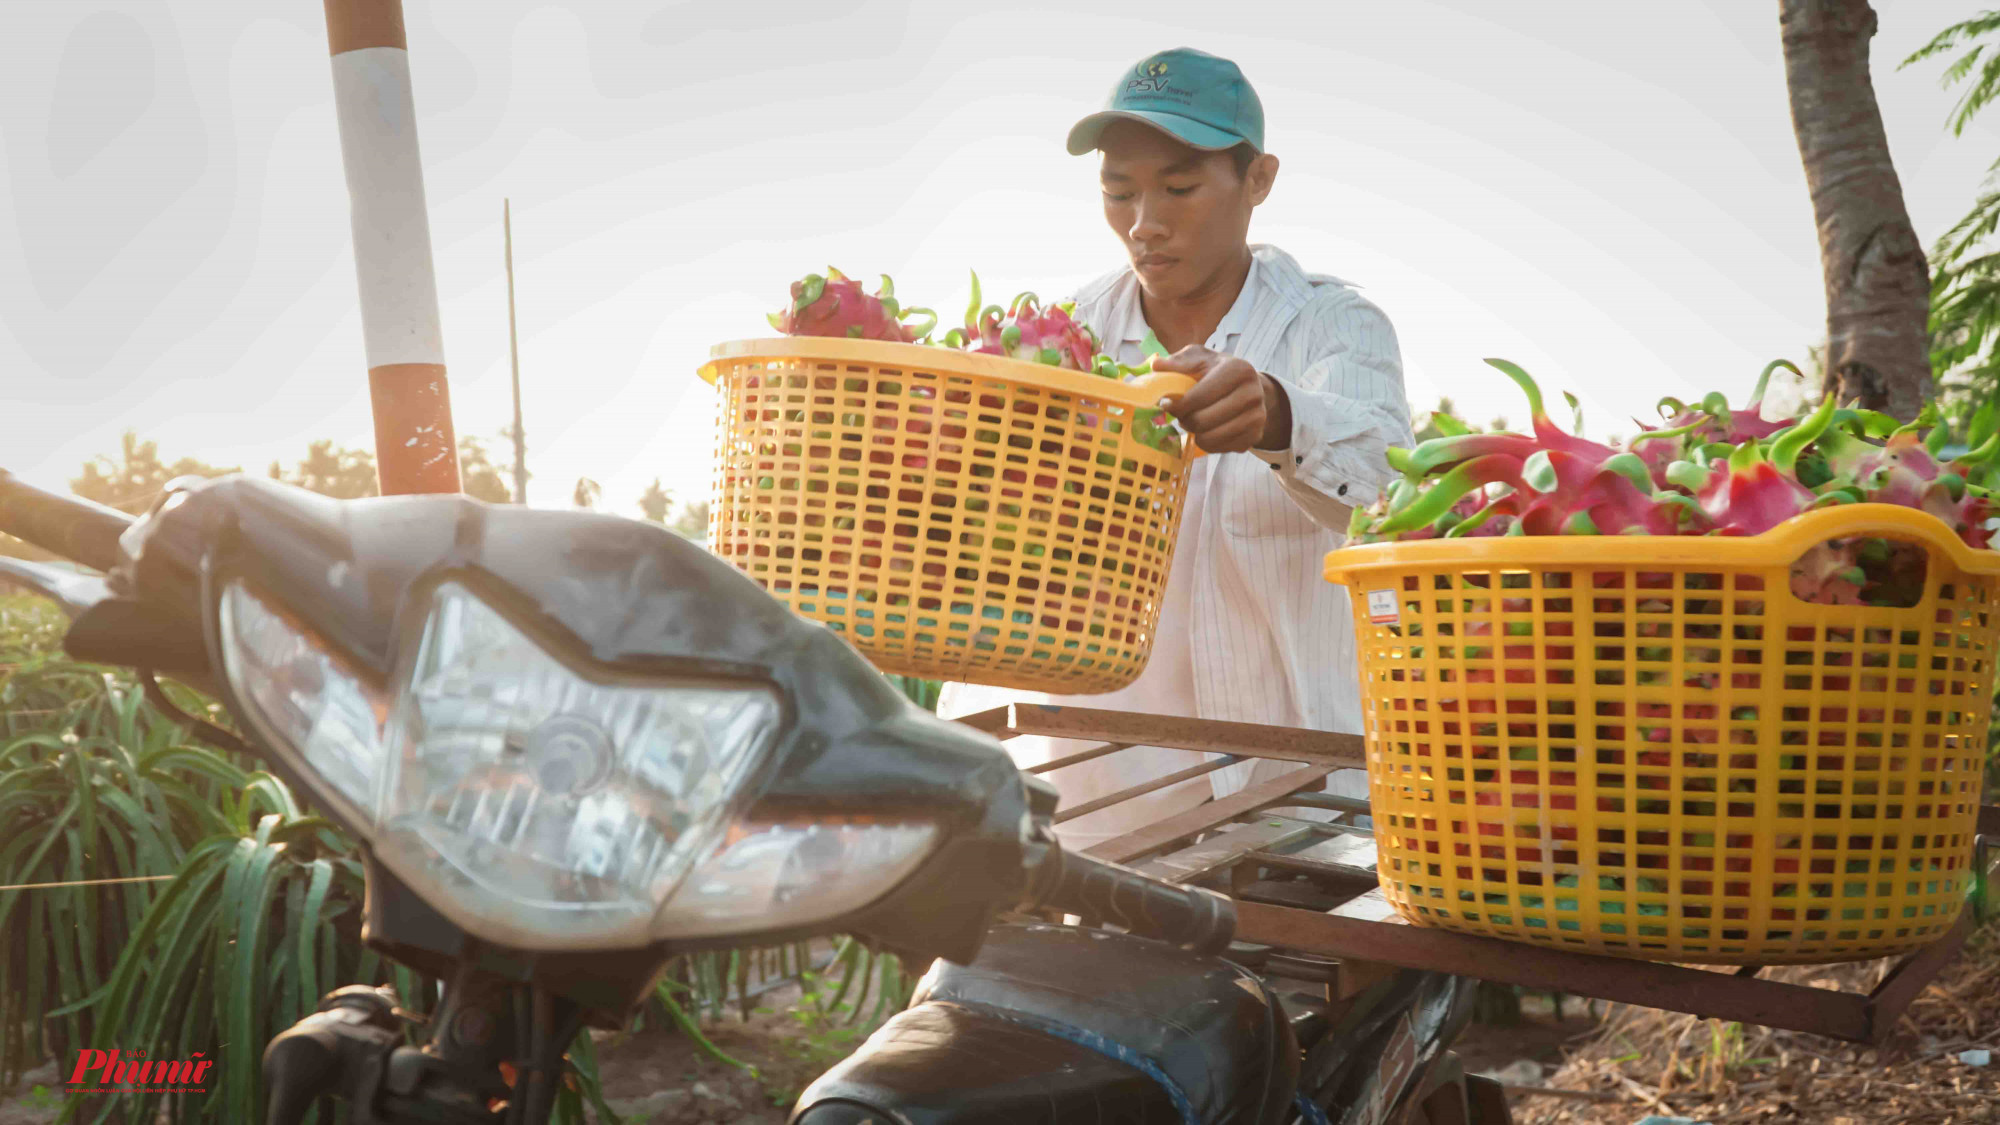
point(1199, 98)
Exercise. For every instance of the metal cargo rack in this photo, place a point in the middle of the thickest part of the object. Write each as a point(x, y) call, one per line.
point(1307, 890)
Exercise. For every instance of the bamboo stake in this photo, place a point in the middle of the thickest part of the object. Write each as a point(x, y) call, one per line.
point(514, 354)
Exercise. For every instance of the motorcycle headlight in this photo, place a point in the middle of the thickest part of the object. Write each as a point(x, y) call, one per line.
point(770, 875)
point(533, 806)
point(305, 699)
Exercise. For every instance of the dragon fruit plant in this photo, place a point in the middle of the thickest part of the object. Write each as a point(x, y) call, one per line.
point(835, 305)
point(1708, 470)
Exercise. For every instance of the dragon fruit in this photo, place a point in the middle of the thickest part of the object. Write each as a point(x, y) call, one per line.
point(1711, 470)
point(1511, 484)
point(1032, 332)
point(835, 305)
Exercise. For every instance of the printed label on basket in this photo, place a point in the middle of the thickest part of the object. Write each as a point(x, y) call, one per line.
point(1382, 607)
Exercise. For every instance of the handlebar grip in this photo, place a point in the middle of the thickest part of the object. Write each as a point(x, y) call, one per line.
point(77, 529)
point(1091, 888)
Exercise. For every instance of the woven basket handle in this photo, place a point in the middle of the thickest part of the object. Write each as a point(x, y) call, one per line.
point(1159, 386)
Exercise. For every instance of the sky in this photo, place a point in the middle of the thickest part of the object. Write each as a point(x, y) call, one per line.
point(1608, 194)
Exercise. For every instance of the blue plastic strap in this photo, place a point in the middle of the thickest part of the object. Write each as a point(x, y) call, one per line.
point(1106, 1047)
point(1309, 1110)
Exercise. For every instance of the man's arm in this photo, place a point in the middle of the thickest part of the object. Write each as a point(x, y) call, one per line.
point(1324, 434)
point(1347, 409)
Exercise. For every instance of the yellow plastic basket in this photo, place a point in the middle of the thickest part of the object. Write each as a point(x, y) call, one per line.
point(1649, 747)
point(955, 516)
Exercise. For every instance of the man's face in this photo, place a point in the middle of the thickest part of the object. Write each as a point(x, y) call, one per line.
point(1184, 214)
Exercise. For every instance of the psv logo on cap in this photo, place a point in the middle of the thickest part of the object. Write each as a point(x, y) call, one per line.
point(1151, 77)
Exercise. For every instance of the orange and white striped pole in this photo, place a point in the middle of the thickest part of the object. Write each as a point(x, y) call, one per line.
point(415, 449)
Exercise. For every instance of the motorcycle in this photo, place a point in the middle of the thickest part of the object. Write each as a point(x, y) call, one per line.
point(573, 745)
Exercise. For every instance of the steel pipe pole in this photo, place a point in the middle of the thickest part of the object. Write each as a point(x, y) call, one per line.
point(415, 448)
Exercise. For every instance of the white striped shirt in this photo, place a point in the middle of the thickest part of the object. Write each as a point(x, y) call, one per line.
point(1250, 630)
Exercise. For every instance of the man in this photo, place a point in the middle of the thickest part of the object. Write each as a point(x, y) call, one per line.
point(1299, 392)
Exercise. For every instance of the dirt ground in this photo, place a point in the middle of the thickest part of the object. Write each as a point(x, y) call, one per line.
point(1939, 1068)
point(661, 1077)
point(1614, 1070)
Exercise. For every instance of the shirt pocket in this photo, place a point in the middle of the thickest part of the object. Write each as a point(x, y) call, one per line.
point(1254, 505)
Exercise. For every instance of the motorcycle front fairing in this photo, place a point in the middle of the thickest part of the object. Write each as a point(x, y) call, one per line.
point(611, 598)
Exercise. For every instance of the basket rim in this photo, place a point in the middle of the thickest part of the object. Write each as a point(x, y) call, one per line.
point(932, 358)
point(1779, 546)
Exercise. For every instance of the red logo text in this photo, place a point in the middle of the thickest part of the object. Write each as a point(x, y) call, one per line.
point(108, 1071)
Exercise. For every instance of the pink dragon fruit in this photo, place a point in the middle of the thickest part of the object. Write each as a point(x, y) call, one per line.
point(1554, 483)
point(1749, 494)
point(1713, 422)
point(1029, 331)
point(835, 305)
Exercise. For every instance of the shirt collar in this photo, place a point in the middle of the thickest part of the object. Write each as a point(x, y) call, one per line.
point(1132, 315)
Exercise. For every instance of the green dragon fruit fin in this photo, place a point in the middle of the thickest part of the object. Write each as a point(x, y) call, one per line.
point(1632, 468)
point(1764, 381)
point(809, 291)
point(1523, 380)
point(1789, 443)
point(1688, 475)
point(1539, 472)
point(1448, 425)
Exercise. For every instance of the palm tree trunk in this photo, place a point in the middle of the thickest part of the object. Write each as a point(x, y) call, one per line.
point(1877, 282)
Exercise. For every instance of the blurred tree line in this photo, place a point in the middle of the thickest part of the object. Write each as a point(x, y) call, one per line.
point(132, 479)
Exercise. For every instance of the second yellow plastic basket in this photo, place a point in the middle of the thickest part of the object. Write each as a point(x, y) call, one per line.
point(955, 516)
point(1649, 747)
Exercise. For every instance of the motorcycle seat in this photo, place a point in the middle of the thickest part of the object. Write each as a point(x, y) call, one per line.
point(1056, 1025)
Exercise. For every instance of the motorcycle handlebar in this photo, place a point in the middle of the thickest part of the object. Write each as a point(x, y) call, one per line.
point(1095, 890)
point(79, 530)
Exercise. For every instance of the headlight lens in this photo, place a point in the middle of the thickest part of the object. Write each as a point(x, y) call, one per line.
point(534, 807)
point(546, 808)
point(307, 699)
point(772, 875)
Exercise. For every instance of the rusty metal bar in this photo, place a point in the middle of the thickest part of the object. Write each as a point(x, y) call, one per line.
point(1248, 740)
point(1080, 756)
point(1886, 1004)
point(993, 721)
point(1153, 837)
point(1143, 788)
point(1651, 984)
point(1225, 848)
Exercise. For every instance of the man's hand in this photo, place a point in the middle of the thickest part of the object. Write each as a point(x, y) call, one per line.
point(1231, 407)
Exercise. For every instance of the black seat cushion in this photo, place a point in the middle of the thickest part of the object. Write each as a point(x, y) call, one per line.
point(938, 1063)
point(1020, 1036)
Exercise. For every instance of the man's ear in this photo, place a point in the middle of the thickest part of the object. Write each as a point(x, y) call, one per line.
point(1262, 173)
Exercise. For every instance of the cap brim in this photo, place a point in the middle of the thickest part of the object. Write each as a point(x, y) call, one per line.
point(1083, 136)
